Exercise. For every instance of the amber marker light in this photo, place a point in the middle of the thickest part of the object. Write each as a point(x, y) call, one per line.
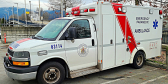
point(21, 63)
point(138, 43)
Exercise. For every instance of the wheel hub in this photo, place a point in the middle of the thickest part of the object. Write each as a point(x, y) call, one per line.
point(51, 75)
point(139, 60)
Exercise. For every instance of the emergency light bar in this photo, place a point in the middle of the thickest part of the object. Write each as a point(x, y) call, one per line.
point(92, 10)
point(88, 9)
point(67, 13)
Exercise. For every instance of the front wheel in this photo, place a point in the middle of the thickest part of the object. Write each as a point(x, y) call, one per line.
point(51, 73)
point(139, 59)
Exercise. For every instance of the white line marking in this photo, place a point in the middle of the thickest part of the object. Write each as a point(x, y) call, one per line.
point(128, 76)
point(154, 79)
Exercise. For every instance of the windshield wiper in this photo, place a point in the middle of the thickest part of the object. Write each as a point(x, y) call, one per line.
point(39, 37)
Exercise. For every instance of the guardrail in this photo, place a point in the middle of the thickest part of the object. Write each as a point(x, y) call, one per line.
point(24, 25)
point(13, 33)
point(165, 37)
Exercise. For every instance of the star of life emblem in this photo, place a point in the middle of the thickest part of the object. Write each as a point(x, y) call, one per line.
point(155, 24)
point(83, 50)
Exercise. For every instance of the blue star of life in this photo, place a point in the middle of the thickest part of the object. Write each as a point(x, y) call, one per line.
point(155, 24)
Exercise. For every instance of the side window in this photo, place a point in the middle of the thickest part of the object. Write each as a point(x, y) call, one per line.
point(82, 28)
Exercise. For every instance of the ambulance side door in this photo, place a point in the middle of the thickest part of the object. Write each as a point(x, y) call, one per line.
point(120, 41)
point(80, 52)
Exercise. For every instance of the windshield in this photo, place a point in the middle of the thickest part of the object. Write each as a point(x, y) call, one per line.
point(52, 29)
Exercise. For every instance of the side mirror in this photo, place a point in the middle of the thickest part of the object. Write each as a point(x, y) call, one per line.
point(71, 33)
point(32, 36)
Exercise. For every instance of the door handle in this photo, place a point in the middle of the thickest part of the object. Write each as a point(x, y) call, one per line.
point(111, 41)
point(93, 42)
point(123, 40)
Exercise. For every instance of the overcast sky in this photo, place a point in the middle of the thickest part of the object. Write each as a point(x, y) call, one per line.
point(34, 3)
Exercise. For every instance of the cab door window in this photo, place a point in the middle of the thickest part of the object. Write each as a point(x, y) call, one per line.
point(82, 28)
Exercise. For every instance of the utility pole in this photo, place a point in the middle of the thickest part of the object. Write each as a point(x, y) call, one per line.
point(161, 3)
point(61, 8)
point(6, 19)
point(13, 15)
point(39, 11)
point(25, 14)
point(17, 13)
point(30, 10)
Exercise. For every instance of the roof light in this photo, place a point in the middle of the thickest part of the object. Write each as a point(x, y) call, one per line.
point(124, 9)
point(91, 10)
point(82, 11)
point(119, 9)
point(72, 13)
point(76, 12)
point(86, 10)
point(160, 12)
point(67, 13)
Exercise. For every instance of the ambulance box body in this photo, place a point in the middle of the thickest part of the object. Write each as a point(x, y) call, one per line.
point(92, 38)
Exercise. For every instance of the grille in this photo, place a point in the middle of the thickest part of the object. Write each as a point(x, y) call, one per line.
point(10, 52)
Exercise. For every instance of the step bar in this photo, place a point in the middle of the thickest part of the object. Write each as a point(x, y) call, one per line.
point(82, 72)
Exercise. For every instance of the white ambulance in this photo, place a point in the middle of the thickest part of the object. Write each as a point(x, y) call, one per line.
point(94, 37)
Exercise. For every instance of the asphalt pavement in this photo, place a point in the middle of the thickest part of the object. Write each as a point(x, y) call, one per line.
point(119, 75)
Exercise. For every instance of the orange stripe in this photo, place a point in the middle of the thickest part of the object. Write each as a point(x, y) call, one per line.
point(23, 40)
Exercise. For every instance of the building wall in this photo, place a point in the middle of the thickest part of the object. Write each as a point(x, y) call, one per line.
point(16, 33)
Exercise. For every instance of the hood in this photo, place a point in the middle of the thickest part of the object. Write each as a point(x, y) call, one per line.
point(26, 43)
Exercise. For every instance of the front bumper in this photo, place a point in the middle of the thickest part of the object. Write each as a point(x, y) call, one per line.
point(20, 73)
point(22, 77)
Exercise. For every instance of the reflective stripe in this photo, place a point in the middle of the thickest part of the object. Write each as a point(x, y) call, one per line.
point(68, 49)
point(56, 50)
point(125, 26)
point(73, 48)
point(149, 40)
point(120, 43)
point(105, 45)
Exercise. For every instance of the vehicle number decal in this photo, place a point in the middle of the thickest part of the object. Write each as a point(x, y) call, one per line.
point(55, 46)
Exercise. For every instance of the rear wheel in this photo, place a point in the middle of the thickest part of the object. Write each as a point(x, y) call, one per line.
point(139, 59)
point(51, 73)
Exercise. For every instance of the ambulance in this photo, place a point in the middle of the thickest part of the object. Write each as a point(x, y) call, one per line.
point(92, 38)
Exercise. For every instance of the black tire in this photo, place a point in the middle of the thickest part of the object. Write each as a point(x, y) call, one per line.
point(51, 73)
point(139, 60)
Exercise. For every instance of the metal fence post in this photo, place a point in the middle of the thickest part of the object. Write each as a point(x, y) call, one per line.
point(167, 55)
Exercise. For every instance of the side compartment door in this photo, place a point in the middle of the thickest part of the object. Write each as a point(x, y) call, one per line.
point(108, 41)
point(120, 40)
point(80, 52)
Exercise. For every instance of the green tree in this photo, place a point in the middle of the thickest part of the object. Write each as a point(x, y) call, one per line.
point(2, 20)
